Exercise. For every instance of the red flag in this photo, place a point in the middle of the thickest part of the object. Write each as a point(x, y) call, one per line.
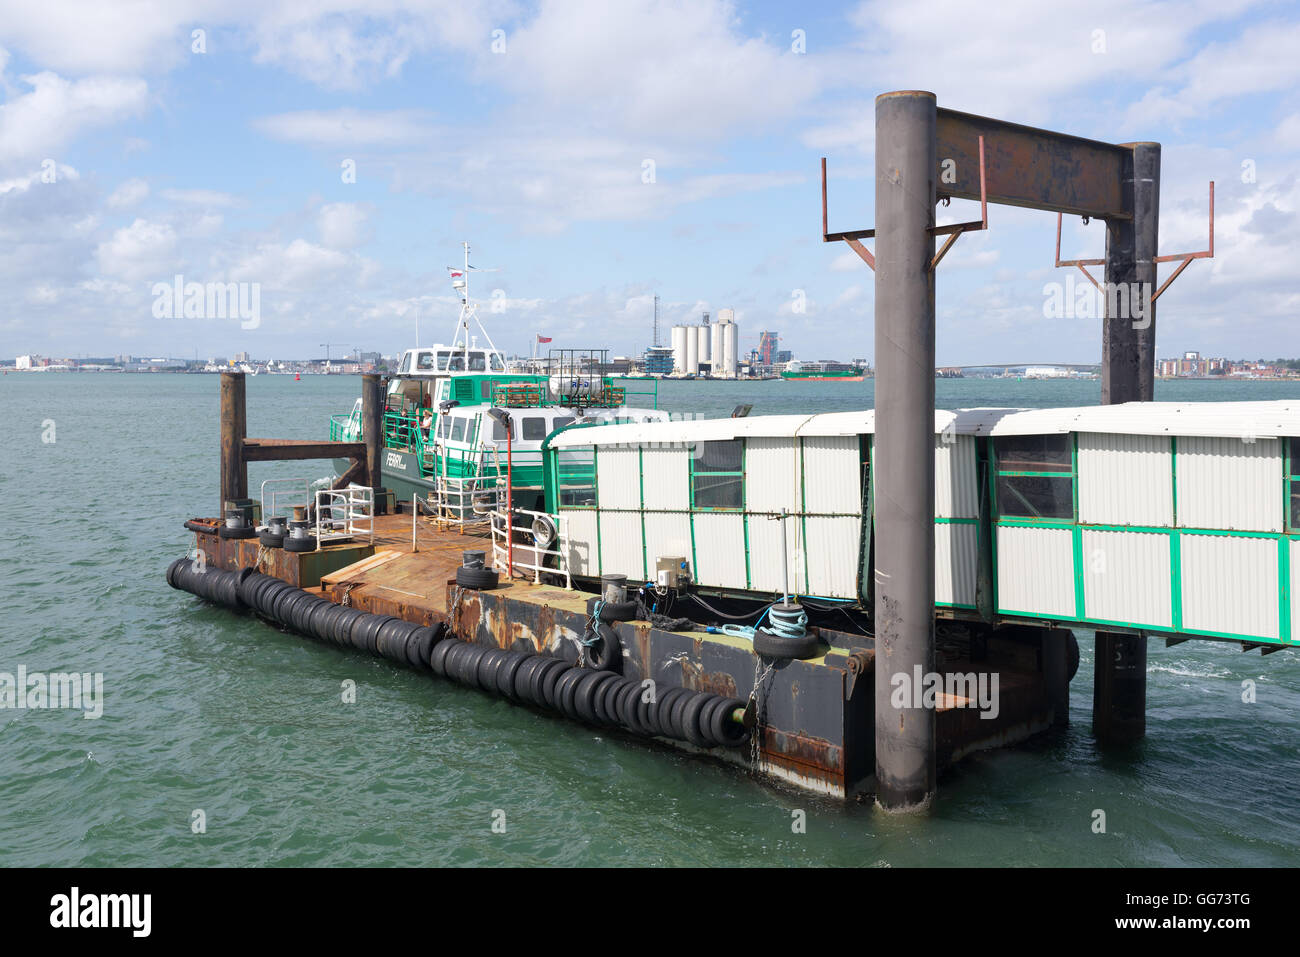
point(543, 338)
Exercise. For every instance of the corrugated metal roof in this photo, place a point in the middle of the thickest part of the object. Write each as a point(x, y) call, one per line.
point(1245, 420)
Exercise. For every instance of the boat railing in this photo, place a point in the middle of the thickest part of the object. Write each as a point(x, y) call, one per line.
point(516, 542)
point(345, 513)
point(285, 494)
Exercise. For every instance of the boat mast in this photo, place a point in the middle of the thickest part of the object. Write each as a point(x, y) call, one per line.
point(469, 310)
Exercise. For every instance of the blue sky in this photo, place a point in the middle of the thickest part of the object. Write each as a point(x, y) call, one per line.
point(225, 166)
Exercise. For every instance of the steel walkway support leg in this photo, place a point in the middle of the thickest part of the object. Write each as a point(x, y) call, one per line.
point(372, 427)
point(1128, 375)
point(906, 166)
point(234, 428)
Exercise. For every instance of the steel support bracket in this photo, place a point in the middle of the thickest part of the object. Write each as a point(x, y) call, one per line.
point(1183, 259)
point(854, 237)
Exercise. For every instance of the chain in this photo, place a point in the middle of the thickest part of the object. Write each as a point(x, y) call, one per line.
point(759, 700)
point(346, 600)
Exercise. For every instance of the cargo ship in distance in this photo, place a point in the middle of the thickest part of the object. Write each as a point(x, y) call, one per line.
point(835, 371)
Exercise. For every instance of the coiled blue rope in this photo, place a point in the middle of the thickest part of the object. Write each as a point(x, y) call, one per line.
point(781, 624)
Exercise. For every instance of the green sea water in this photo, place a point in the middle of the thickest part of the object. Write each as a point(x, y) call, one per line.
point(208, 711)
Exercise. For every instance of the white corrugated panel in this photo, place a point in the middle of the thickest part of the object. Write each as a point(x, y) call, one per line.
point(765, 553)
point(1125, 480)
point(1035, 570)
point(832, 549)
point(833, 467)
point(1230, 484)
point(1295, 590)
point(1239, 420)
point(771, 475)
point(667, 535)
point(720, 549)
point(582, 556)
point(618, 478)
point(620, 544)
point(1126, 577)
point(1229, 584)
point(956, 559)
point(666, 477)
point(956, 479)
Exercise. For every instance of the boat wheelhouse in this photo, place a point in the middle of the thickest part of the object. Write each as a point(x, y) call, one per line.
point(1161, 518)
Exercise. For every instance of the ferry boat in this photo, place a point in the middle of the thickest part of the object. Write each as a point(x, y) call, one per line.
point(835, 371)
point(444, 444)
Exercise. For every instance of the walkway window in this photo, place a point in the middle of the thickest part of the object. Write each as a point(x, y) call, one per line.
point(1035, 477)
point(717, 475)
point(1293, 484)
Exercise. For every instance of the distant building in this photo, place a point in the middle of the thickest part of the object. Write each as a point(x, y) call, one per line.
point(1046, 372)
point(24, 362)
point(659, 360)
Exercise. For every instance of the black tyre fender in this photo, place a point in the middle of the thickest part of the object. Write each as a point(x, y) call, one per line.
point(774, 646)
point(629, 696)
point(271, 539)
point(691, 714)
point(226, 531)
point(418, 647)
point(605, 698)
point(565, 688)
point(613, 611)
point(438, 657)
point(666, 712)
point(307, 544)
point(488, 666)
point(724, 730)
point(482, 579)
point(606, 652)
point(584, 695)
point(507, 673)
point(550, 677)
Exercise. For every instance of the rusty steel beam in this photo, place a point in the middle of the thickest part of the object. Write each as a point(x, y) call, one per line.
point(1038, 169)
point(287, 450)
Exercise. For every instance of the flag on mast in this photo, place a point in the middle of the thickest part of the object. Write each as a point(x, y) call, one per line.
point(542, 338)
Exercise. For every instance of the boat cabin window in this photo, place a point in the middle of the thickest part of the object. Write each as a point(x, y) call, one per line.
point(424, 362)
point(477, 362)
point(717, 475)
point(497, 364)
point(1035, 477)
point(457, 429)
point(406, 364)
point(499, 431)
point(533, 428)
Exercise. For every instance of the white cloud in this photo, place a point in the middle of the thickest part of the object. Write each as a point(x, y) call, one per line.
point(200, 197)
point(348, 127)
point(39, 124)
point(142, 250)
point(128, 194)
point(343, 225)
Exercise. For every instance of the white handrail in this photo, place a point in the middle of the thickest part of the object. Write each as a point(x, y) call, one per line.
point(351, 511)
point(501, 550)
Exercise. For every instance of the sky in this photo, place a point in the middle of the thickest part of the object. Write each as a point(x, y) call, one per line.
point(334, 156)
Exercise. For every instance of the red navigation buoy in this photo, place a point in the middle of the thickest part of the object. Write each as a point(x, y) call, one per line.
point(297, 377)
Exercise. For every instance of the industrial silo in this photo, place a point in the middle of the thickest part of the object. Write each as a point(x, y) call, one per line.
point(702, 335)
point(679, 349)
point(729, 347)
point(717, 349)
point(692, 350)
